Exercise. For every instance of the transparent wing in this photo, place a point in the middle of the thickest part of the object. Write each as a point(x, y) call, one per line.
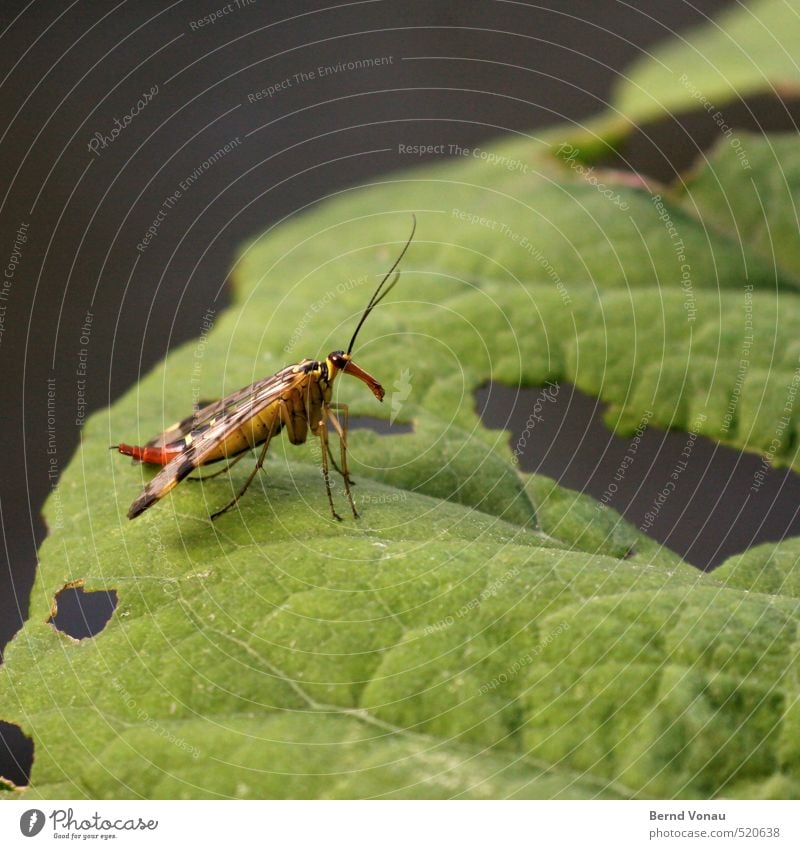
point(218, 421)
point(200, 420)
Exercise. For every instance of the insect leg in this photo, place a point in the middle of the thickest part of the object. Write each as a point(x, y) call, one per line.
point(323, 436)
point(334, 463)
point(342, 431)
point(258, 465)
point(345, 411)
point(219, 471)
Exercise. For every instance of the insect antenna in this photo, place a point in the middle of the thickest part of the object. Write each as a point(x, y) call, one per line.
point(382, 291)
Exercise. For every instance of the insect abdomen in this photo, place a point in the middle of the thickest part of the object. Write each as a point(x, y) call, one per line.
point(250, 434)
point(155, 456)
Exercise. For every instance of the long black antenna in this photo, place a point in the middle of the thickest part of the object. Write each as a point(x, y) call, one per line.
point(380, 295)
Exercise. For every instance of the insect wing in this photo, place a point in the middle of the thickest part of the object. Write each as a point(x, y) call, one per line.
point(183, 428)
point(234, 411)
point(201, 419)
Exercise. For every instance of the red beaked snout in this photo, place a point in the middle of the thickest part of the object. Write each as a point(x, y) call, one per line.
point(377, 390)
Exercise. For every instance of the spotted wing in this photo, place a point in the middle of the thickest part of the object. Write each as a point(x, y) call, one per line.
point(201, 419)
point(218, 421)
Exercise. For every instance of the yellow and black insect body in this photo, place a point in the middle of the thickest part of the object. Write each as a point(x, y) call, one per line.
point(294, 400)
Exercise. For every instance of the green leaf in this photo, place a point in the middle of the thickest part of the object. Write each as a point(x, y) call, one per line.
point(541, 274)
point(749, 189)
point(477, 633)
point(288, 657)
point(749, 49)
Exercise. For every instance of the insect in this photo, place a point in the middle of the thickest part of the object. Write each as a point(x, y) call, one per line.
point(295, 400)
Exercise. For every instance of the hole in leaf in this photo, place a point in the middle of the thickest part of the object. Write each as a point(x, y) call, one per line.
point(670, 145)
point(16, 755)
point(692, 495)
point(380, 426)
point(80, 614)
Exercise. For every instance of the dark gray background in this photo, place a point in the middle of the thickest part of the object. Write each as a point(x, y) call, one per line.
point(69, 69)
